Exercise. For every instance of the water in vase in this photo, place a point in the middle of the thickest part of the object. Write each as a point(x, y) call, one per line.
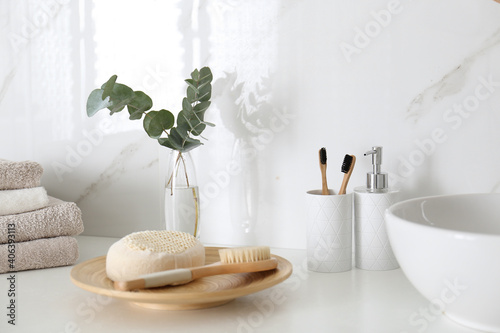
point(182, 210)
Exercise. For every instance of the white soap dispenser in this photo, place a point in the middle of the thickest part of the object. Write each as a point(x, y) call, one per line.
point(373, 250)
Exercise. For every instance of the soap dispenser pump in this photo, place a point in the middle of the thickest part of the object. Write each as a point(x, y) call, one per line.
point(376, 181)
point(373, 250)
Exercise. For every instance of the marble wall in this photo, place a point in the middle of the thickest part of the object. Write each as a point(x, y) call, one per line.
point(420, 78)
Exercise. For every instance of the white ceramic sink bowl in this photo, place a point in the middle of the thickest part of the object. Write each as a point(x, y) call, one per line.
point(449, 248)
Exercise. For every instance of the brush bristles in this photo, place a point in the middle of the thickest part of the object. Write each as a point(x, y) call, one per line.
point(322, 155)
point(244, 254)
point(346, 165)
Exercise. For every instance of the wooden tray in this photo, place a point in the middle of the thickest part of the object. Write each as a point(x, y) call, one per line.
point(206, 292)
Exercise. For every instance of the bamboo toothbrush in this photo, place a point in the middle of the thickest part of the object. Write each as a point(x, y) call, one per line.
point(237, 260)
point(347, 167)
point(322, 166)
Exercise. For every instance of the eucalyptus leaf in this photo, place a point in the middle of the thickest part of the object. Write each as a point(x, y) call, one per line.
point(182, 123)
point(166, 142)
point(195, 75)
point(166, 119)
point(120, 96)
point(205, 93)
point(146, 123)
point(192, 84)
point(191, 95)
point(95, 102)
point(177, 143)
point(108, 86)
point(198, 129)
point(157, 122)
point(191, 144)
point(139, 104)
point(186, 106)
point(205, 75)
point(185, 142)
point(200, 108)
point(202, 84)
point(175, 139)
point(190, 123)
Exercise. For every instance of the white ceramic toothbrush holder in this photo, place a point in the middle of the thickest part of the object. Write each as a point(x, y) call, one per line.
point(329, 232)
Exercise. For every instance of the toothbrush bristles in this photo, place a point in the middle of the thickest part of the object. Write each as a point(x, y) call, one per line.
point(346, 165)
point(322, 155)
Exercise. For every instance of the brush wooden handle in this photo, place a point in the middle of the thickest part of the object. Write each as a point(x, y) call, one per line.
point(324, 186)
point(185, 275)
point(347, 175)
point(173, 276)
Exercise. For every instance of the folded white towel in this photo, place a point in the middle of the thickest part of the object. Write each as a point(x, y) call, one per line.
point(24, 200)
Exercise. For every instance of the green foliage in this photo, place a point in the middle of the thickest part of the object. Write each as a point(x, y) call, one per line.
point(190, 120)
point(156, 122)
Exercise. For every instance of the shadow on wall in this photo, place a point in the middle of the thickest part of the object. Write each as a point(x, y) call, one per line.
point(247, 112)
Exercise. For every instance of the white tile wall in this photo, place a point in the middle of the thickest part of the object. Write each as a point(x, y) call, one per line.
point(421, 78)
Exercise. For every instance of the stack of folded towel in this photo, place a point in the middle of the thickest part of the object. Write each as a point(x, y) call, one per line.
point(35, 229)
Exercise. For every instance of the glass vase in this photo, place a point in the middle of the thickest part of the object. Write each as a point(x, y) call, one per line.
point(182, 203)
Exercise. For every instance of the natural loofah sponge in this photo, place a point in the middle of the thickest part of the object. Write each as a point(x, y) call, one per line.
point(147, 252)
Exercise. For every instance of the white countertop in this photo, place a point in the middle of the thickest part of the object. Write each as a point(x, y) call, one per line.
point(354, 301)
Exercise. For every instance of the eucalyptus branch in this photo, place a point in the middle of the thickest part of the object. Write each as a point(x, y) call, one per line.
point(190, 121)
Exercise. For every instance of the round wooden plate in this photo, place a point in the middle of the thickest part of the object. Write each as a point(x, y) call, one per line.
point(206, 292)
